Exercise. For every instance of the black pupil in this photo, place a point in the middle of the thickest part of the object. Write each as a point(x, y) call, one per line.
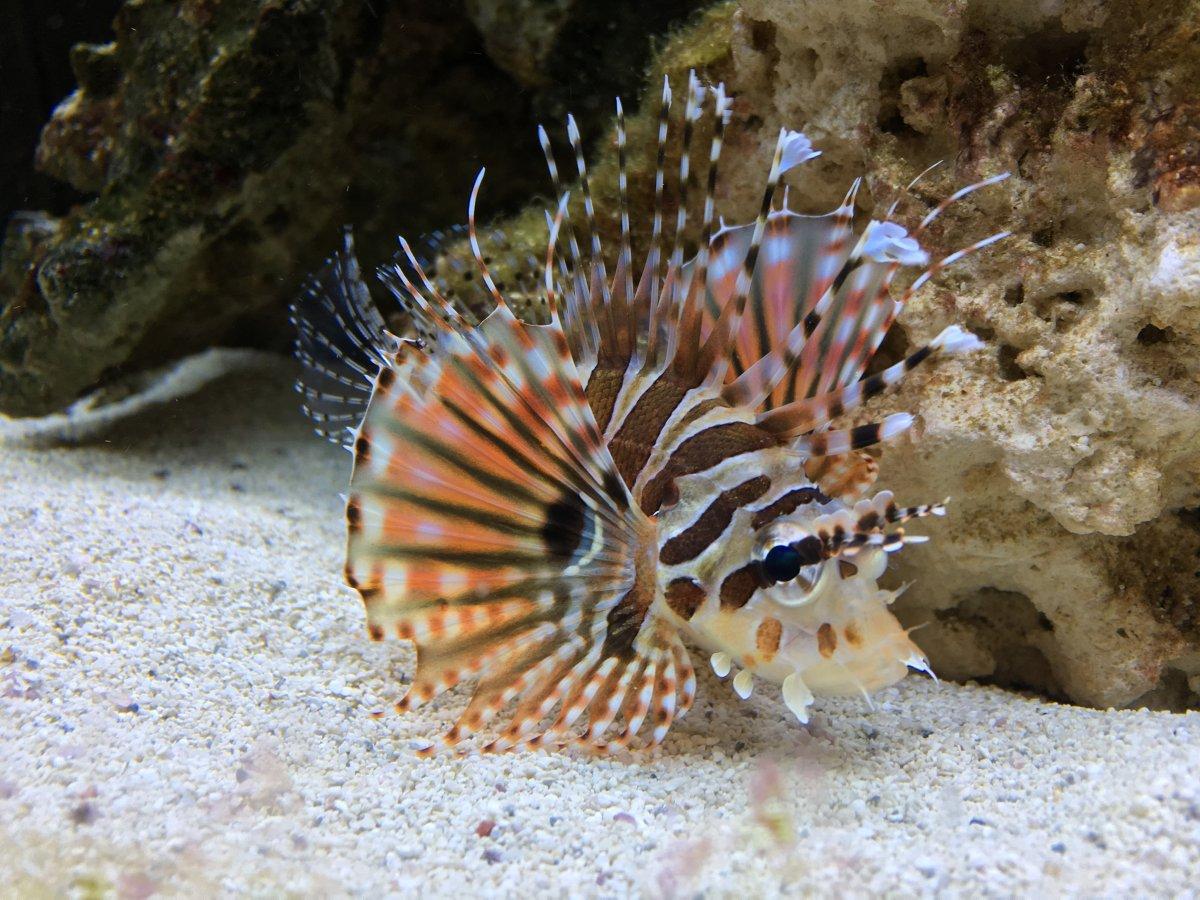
point(782, 563)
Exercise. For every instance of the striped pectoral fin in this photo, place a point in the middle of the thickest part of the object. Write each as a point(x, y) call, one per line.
point(804, 415)
point(844, 332)
point(488, 525)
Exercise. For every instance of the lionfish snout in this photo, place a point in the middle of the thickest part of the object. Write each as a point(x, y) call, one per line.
point(819, 622)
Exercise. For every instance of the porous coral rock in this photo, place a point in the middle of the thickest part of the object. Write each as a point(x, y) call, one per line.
point(1071, 445)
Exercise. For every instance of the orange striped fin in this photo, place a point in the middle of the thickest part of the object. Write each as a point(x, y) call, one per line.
point(489, 525)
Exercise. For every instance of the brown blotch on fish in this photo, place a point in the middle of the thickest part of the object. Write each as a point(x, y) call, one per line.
point(739, 587)
point(561, 345)
point(684, 596)
point(353, 515)
point(375, 631)
point(387, 377)
point(712, 523)
point(826, 640)
point(787, 504)
point(766, 639)
point(702, 451)
point(847, 569)
point(853, 635)
point(362, 450)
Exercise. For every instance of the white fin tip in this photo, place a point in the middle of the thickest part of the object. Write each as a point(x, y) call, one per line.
point(797, 149)
point(889, 242)
point(721, 663)
point(743, 684)
point(955, 339)
point(895, 424)
point(797, 697)
point(919, 663)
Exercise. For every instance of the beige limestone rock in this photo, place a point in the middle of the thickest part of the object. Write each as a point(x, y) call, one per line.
point(1071, 446)
point(1070, 561)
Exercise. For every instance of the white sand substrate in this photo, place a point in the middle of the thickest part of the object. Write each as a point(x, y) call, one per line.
point(185, 709)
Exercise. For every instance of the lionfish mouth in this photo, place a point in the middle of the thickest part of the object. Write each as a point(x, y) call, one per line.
point(547, 510)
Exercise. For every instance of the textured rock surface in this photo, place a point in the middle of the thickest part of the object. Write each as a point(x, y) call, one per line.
point(224, 145)
point(1070, 562)
point(1072, 446)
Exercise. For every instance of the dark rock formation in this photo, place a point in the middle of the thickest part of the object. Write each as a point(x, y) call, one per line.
point(225, 143)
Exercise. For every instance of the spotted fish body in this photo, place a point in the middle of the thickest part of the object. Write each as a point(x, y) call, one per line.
point(556, 511)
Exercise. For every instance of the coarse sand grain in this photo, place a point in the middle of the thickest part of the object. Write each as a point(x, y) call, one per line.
point(185, 708)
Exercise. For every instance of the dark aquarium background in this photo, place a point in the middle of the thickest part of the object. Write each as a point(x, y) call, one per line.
point(171, 169)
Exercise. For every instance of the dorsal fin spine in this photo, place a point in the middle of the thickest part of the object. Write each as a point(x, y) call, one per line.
point(588, 208)
point(664, 318)
point(654, 258)
point(473, 237)
point(576, 268)
point(690, 313)
point(626, 258)
point(714, 358)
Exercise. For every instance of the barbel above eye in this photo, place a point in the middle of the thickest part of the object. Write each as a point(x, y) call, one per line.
point(783, 562)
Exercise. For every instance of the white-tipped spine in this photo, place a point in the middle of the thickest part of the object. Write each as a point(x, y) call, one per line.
point(956, 339)
point(895, 424)
point(743, 684)
point(797, 697)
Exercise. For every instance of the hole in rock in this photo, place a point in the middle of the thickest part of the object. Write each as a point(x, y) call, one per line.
point(1017, 636)
point(1043, 237)
point(890, 119)
point(1010, 369)
point(1047, 56)
point(1152, 334)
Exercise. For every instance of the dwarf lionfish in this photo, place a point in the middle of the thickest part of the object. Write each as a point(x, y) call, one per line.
point(553, 509)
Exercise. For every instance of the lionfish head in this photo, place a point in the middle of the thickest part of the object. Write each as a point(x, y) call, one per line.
point(788, 591)
point(550, 511)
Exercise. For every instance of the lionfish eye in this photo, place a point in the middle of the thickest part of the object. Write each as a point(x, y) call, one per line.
point(783, 562)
